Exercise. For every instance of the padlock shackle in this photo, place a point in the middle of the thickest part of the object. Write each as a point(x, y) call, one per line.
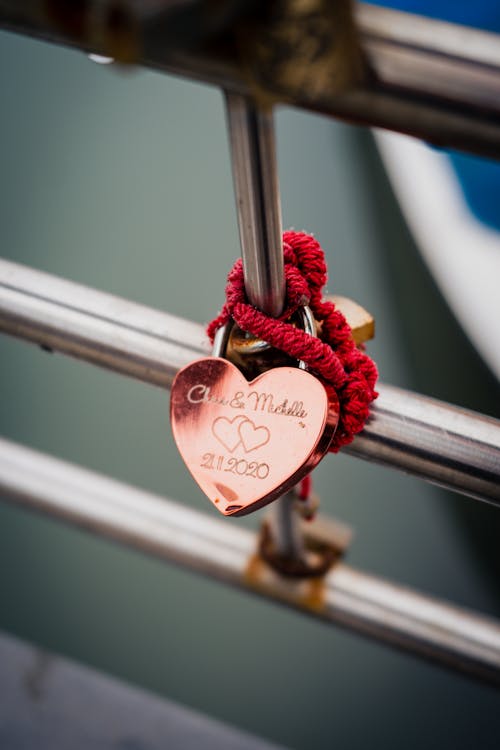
point(222, 335)
point(221, 339)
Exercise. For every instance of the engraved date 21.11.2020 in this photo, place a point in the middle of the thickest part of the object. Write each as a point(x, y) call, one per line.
point(247, 443)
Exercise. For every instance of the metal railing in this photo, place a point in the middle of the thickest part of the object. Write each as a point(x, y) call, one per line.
point(452, 447)
point(424, 77)
point(435, 80)
point(355, 600)
point(149, 345)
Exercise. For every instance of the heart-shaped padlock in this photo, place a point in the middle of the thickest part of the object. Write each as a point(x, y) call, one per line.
point(247, 443)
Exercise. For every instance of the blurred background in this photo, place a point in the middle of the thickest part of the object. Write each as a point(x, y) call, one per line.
point(121, 180)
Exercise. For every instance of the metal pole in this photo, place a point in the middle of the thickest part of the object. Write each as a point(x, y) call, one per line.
point(434, 80)
point(444, 444)
point(411, 431)
point(441, 632)
point(256, 187)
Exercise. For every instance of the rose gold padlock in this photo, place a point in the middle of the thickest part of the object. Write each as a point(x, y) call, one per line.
point(247, 443)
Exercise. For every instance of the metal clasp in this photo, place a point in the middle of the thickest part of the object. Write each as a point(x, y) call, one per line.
point(250, 347)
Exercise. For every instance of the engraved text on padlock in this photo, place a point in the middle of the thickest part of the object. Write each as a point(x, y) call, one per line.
point(246, 443)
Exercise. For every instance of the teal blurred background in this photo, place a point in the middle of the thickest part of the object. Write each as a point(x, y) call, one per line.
point(121, 180)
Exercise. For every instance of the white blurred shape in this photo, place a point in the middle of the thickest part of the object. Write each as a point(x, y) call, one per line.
point(462, 254)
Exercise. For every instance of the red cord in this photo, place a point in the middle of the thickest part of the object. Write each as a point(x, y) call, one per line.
point(333, 356)
point(305, 487)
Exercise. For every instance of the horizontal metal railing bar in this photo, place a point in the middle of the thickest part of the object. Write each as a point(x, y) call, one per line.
point(432, 79)
point(100, 328)
point(453, 447)
point(358, 601)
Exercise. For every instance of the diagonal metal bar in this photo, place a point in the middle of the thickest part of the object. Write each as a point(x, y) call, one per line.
point(449, 446)
point(360, 602)
point(435, 80)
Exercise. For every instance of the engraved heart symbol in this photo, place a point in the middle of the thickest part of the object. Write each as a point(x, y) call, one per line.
point(226, 431)
point(245, 443)
point(251, 436)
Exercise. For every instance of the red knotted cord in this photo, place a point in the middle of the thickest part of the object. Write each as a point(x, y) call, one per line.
point(333, 356)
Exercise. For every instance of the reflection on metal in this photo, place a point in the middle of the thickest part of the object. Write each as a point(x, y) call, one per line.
point(360, 602)
point(108, 331)
point(256, 188)
point(424, 77)
point(452, 447)
point(240, 463)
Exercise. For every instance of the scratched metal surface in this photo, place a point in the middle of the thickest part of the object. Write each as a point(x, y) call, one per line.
point(121, 180)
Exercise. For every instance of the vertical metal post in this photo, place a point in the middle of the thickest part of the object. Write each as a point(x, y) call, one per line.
point(256, 186)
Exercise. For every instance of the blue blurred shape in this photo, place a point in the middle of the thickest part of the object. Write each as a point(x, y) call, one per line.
point(479, 178)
